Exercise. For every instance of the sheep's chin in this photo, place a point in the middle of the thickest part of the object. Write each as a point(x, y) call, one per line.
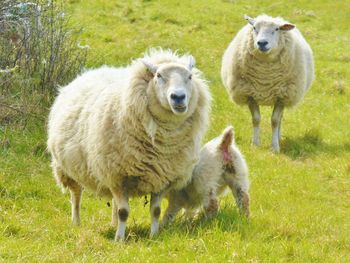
point(266, 52)
point(178, 111)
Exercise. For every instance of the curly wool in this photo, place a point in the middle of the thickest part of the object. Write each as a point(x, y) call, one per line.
point(107, 130)
point(286, 75)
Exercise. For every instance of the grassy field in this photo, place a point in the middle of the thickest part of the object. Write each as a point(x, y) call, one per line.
point(300, 198)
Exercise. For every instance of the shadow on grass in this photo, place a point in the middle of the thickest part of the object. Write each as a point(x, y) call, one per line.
point(133, 232)
point(309, 145)
point(227, 220)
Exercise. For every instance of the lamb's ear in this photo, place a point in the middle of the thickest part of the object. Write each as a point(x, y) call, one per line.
point(151, 67)
point(249, 19)
point(191, 63)
point(225, 143)
point(287, 27)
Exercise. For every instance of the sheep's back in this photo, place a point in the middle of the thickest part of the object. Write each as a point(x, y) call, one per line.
point(68, 125)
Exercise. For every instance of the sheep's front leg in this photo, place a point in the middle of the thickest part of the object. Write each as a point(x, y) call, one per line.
point(276, 120)
point(155, 213)
point(255, 112)
point(122, 205)
point(114, 213)
point(76, 192)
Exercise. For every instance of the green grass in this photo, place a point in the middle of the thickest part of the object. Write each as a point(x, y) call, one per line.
point(300, 198)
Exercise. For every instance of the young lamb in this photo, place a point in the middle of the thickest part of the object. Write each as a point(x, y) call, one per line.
point(267, 63)
point(124, 132)
point(220, 165)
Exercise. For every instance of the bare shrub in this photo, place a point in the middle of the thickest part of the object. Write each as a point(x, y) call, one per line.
point(38, 52)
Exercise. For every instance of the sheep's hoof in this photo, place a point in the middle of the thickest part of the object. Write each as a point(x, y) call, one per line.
point(153, 235)
point(256, 143)
point(154, 231)
point(114, 223)
point(119, 239)
point(276, 148)
point(76, 222)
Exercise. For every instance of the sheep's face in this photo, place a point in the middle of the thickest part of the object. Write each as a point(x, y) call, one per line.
point(173, 85)
point(266, 32)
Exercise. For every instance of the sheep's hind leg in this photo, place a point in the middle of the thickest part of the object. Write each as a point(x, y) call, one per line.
point(276, 120)
point(155, 213)
point(122, 204)
point(255, 112)
point(76, 191)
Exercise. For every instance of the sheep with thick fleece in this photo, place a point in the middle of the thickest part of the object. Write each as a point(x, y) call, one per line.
point(268, 63)
point(221, 164)
point(123, 132)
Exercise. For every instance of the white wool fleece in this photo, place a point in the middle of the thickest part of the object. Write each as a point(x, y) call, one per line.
point(107, 130)
point(285, 74)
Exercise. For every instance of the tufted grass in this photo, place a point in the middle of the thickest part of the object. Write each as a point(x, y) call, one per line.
point(300, 198)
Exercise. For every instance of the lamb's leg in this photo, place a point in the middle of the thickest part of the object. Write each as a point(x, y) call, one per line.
point(211, 204)
point(276, 120)
point(114, 213)
point(171, 211)
point(255, 112)
point(75, 192)
point(122, 203)
point(155, 212)
point(242, 199)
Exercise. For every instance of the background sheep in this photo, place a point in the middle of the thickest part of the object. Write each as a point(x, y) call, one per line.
point(122, 132)
point(220, 165)
point(267, 63)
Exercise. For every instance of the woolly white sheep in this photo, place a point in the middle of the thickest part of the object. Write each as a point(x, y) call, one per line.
point(220, 165)
point(267, 63)
point(123, 132)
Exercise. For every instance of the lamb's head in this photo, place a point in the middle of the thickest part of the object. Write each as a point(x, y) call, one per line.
point(173, 84)
point(267, 32)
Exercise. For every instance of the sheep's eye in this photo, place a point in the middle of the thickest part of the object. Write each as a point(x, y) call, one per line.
point(254, 28)
point(159, 76)
point(277, 29)
point(190, 77)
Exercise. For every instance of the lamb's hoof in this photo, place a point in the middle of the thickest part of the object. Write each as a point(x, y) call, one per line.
point(245, 213)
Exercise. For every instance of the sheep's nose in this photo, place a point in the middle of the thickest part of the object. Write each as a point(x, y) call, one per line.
point(262, 43)
point(177, 98)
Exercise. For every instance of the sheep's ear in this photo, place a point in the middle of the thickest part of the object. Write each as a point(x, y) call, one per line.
point(287, 27)
point(249, 19)
point(151, 67)
point(226, 141)
point(191, 63)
